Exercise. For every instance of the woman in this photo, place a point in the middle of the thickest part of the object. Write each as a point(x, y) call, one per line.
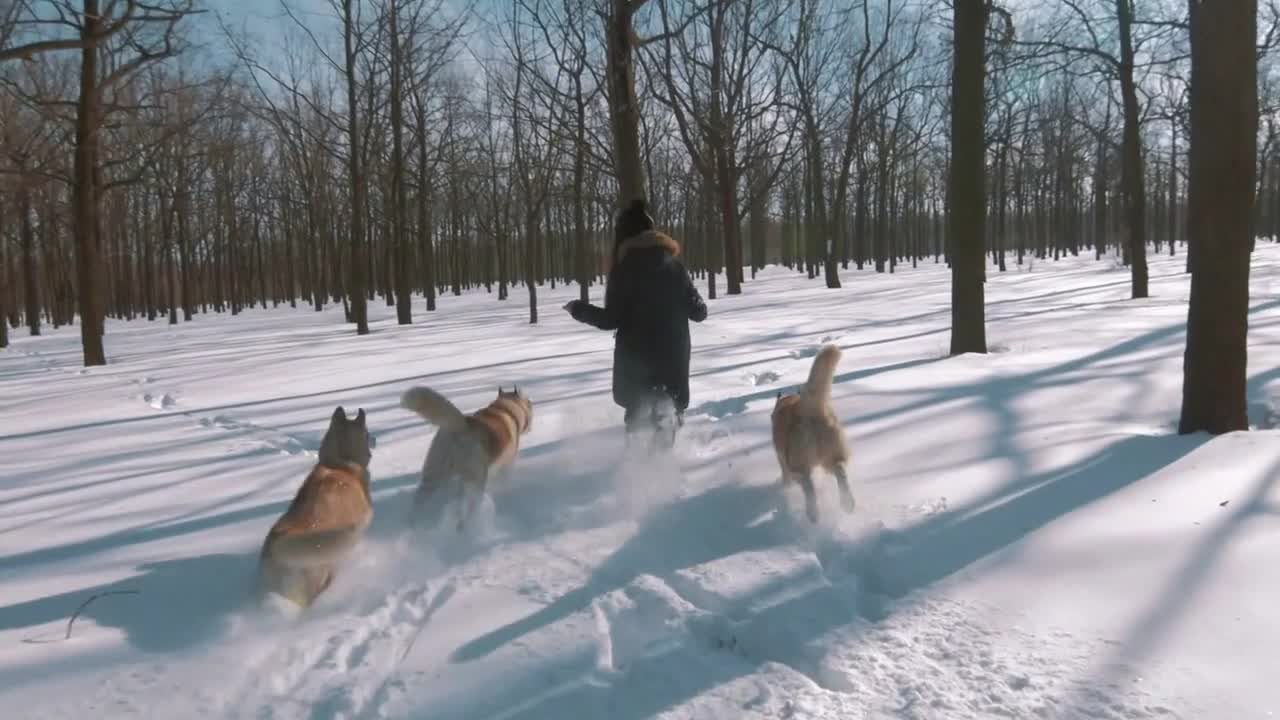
point(649, 300)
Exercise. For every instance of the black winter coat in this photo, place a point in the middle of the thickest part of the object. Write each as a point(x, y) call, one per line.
point(649, 299)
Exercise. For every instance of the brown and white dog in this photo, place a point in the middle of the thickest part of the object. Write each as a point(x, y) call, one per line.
point(807, 434)
point(468, 449)
point(326, 519)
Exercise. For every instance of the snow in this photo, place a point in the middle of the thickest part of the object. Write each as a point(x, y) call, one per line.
point(1032, 540)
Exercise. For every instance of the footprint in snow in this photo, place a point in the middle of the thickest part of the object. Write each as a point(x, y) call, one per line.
point(719, 409)
point(763, 378)
point(163, 401)
point(809, 351)
point(257, 435)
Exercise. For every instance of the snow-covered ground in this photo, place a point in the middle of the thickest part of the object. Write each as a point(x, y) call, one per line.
point(1031, 540)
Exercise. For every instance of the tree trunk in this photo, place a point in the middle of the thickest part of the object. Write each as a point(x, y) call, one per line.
point(171, 282)
point(399, 207)
point(1174, 234)
point(729, 228)
point(85, 194)
point(580, 250)
point(1002, 192)
point(4, 289)
point(1131, 149)
point(759, 221)
point(624, 108)
point(822, 222)
point(30, 280)
point(424, 214)
point(967, 204)
point(1224, 128)
point(530, 259)
point(1100, 200)
point(356, 291)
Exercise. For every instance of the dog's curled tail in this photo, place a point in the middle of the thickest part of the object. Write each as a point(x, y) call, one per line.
point(434, 408)
point(818, 387)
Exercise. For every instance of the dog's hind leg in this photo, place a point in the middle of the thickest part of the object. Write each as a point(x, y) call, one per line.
point(810, 497)
point(846, 495)
point(422, 498)
point(785, 477)
point(502, 475)
point(470, 491)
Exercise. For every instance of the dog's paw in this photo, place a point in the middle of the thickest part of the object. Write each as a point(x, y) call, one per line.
point(274, 604)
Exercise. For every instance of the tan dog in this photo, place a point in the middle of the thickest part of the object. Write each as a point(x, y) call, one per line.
point(807, 434)
point(327, 518)
point(468, 448)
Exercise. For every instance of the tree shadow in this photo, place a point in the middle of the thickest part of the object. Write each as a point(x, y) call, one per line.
point(891, 565)
point(1173, 600)
point(886, 568)
point(736, 405)
point(686, 532)
point(346, 390)
point(167, 529)
point(179, 603)
point(946, 542)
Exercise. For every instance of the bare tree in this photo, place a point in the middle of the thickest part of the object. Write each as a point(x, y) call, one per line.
point(433, 48)
point(23, 18)
point(1224, 131)
point(398, 210)
point(564, 32)
point(1079, 37)
point(967, 178)
point(534, 115)
point(352, 40)
point(624, 108)
point(141, 46)
point(716, 98)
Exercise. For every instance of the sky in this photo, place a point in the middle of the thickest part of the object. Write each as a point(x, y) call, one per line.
point(266, 23)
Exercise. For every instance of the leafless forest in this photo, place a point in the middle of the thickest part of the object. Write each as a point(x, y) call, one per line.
point(159, 160)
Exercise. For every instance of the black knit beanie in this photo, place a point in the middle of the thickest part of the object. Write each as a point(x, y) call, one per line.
point(632, 221)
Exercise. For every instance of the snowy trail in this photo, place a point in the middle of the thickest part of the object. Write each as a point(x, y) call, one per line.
point(1030, 540)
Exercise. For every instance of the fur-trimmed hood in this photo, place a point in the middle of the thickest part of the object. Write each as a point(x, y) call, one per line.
point(647, 239)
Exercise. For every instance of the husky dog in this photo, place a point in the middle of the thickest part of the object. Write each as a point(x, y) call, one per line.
point(327, 518)
point(471, 448)
point(807, 434)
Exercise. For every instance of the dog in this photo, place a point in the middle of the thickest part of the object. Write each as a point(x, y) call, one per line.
point(326, 519)
point(469, 448)
point(807, 435)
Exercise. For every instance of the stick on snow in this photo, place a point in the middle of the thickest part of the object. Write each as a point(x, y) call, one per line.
point(85, 604)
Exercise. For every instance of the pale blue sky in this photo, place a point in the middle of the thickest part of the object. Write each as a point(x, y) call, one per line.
point(266, 23)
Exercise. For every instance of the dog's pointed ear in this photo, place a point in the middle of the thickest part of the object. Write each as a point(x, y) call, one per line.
point(360, 416)
point(339, 413)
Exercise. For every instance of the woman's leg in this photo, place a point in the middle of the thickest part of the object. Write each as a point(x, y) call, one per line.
point(667, 420)
point(654, 417)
